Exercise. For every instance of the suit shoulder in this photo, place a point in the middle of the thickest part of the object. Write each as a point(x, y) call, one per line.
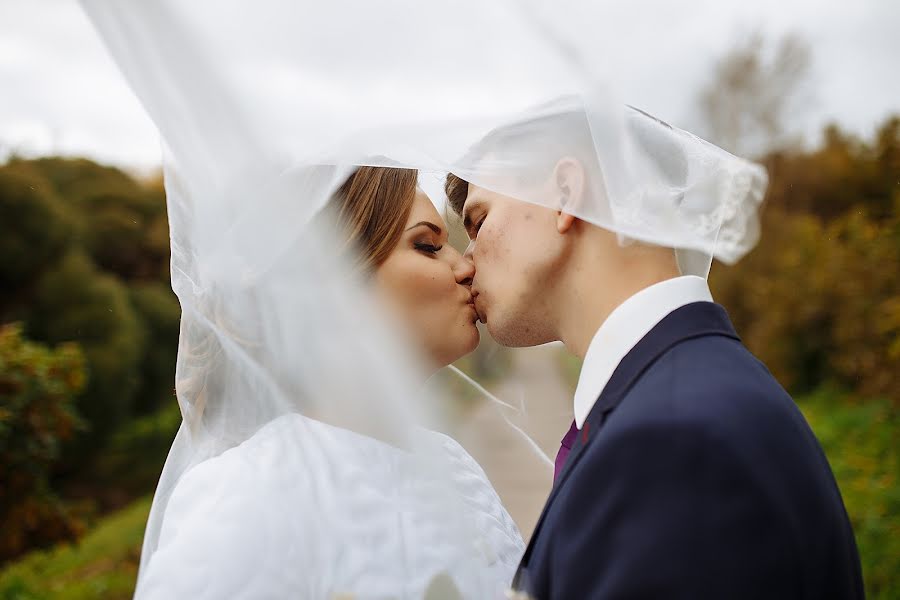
point(715, 391)
point(714, 381)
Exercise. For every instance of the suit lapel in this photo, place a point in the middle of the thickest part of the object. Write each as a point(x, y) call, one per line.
point(694, 320)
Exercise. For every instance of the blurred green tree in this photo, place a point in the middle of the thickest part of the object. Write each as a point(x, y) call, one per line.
point(74, 301)
point(160, 315)
point(755, 89)
point(125, 230)
point(843, 174)
point(88, 251)
point(35, 230)
point(37, 415)
point(819, 299)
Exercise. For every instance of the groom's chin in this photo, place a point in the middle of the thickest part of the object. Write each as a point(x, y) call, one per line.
point(513, 334)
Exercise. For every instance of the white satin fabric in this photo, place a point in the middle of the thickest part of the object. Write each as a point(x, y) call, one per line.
point(233, 527)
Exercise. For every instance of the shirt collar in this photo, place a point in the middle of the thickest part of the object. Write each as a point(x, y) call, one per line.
point(625, 327)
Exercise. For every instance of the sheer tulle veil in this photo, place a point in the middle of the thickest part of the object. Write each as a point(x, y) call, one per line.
point(264, 108)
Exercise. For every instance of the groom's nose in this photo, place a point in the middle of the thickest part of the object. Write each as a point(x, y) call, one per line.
point(470, 251)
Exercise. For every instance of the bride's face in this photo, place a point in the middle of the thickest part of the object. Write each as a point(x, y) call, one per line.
point(425, 283)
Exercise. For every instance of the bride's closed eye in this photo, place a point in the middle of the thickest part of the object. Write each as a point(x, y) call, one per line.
point(427, 248)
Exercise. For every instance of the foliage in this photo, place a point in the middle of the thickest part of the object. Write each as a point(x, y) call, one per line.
point(843, 175)
point(819, 301)
point(754, 90)
point(75, 301)
point(860, 440)
point(103, 564)
point(34, 227)
point(37, 414)
point(123, 222)
point(134, 456)
point(84, 259)
point(127, 234)
point(101, 278)
point(75, 177)
point(160, 315)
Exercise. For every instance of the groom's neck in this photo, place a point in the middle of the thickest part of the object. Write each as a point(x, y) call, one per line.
point(595, 289)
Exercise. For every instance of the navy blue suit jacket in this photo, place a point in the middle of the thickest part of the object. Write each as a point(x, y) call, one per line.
point(694, 476)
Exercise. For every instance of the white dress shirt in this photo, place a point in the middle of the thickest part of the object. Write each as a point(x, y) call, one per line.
point(625, 327)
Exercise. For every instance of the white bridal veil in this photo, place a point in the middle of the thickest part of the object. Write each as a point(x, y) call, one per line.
point(265, 107)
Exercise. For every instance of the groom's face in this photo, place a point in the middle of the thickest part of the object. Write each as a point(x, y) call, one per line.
point(517, 252)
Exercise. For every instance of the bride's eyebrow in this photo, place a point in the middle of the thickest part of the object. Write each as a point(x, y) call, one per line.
point(427, 224)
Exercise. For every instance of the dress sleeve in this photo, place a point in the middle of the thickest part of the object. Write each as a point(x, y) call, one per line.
point(214, 532)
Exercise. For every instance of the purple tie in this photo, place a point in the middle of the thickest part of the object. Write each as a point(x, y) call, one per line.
point(564, 446)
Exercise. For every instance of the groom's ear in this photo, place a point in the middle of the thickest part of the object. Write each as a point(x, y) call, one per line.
point(568, 179)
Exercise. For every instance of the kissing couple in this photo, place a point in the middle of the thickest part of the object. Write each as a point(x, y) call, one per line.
point(688, 471)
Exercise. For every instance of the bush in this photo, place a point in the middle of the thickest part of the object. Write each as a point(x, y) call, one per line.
point(102, 565)
point(75, 302)
point(84, 254)
point(843, 175)
point(37, 414)
point(157, 307)
point(34, 227)
point(122, 233)
point(73, 178)
point(134, 457)
point(123, 226)
point(819, 302)
point(860, 440)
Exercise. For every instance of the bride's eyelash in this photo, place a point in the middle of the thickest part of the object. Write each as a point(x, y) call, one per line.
point(477, 227)
point(429, 248)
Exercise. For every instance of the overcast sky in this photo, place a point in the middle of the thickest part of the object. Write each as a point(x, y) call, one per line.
point(61, 94)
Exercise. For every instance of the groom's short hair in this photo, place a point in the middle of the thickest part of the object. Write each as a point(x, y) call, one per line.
point(541, 140)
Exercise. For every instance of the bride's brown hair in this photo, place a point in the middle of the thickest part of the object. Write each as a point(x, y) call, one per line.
point(371, 209)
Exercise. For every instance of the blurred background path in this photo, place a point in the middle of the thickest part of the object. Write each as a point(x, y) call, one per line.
point(534, 382)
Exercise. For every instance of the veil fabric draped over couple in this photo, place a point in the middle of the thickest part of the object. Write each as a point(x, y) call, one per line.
point(306, 464)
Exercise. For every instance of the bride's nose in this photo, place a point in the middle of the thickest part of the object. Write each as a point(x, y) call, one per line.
point(464, 269)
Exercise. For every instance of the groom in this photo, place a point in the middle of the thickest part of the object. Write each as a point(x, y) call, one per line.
point(688, 471)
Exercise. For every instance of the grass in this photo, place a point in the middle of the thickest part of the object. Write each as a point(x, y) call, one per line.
point(102, 565)
point(861, 442)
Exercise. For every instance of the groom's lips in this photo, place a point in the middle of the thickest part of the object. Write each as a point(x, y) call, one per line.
point(479, 311)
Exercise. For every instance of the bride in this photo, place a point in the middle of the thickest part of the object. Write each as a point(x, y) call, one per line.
point(239, 525)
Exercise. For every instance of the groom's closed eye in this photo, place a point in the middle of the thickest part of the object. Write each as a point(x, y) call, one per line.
point(473, 217)
point(472, 226)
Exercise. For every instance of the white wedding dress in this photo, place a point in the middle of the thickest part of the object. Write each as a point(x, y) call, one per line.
point(303, 510)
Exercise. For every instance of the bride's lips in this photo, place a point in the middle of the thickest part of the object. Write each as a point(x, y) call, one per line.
point(471, 303)
point(475, 316)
